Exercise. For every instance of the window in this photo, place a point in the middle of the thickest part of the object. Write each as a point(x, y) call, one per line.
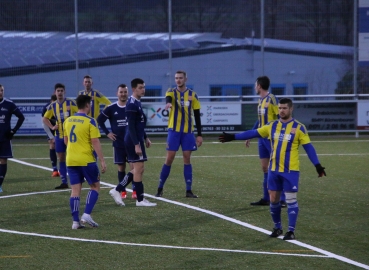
point(231, 90)
point(152, 91)
point(248, 90)
point(278, 89)
point(215, 91)
point(300, 89)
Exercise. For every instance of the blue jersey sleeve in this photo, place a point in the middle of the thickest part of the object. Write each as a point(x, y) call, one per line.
point(248, 135)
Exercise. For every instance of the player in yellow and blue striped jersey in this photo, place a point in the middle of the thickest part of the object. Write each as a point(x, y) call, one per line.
point(97, 97)
point(267, 111)
point(185, 109)
point(60, 109)
point(285, 135)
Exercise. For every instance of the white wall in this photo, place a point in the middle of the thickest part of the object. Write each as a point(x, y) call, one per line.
point(234, 67)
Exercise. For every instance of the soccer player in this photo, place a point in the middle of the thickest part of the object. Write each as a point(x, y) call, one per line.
point(97, 97)
point(116, 113)
point(7, 109)
point(51, 138)
point(184, 104)
point(286, 135)
point(81, 135)
point(267, 111)
point(135, 141)
point(61, 109)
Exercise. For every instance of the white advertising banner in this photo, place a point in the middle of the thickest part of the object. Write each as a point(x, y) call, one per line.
point(363, 115)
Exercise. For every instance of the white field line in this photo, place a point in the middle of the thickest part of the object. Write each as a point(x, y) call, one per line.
point(217, 156)
point(216, 142)
point(244, 224)
point(158, 246)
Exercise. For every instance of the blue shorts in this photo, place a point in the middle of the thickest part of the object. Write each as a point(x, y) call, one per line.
point(186, 140)
point(6, 149)
point(278, 181)
point(264, 148)
point(120, 155)
point(78, 174)
point(60, 146)
point(131, 153)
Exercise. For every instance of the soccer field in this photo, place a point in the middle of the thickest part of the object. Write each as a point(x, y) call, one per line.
point(219, 230)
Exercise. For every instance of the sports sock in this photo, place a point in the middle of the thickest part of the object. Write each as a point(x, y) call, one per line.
point(3, 169)
point(139, 191)
point(165, 171)
point(74, 207)
point(275, 211)
point(91, 200)
point(53, 158)
point(187, 173)
point(133, 186)
point(265, 187)
point(128, 178)
point(120, 177)
point(63, 172)
point(292, 213)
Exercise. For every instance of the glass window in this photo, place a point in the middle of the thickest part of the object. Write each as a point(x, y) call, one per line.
point(300, 89)
point(278, 89)
point(152, 91)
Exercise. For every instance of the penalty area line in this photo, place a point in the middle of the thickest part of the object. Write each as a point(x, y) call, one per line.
point(244, 224)
point(159, 246)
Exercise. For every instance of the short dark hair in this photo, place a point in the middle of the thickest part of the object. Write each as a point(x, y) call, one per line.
point(87, 77)
point(59, 85)
point(286, 101)
point(122, 85)
point(136, 81)
point(264, 82)
point(53, 97)
point(182, 72)
point(82, 101)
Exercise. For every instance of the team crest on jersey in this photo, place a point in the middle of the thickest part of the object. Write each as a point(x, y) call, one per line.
point(187, 103)
point(293, 131)
point(190, 98)
point(68, 108)
point(266, 105)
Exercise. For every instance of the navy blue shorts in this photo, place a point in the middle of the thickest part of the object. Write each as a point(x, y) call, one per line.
point(78, 174)
point(6, 149)
point(289, 182)
point(120, 155)
point(176, 139)
point(60, 146)
point(264, 148)
point(131, 153)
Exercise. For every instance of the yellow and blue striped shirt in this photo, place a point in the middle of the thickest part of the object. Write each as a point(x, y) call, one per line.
point(80, 129)
point(61, 111)
point(181, 115)
point(96, 99)
point(285, 140)
point(267, 109)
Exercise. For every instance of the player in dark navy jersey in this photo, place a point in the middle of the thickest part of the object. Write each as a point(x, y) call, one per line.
point(116, 113)
point(135, 141)
point(7, 109)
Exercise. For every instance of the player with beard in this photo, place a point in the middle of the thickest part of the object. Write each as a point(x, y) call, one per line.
point(285, 135)
point(116, 113)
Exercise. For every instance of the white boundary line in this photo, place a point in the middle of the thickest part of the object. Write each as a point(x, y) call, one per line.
point(163, 143)
point(218, 156)
point(159, 246)
point(244, 224)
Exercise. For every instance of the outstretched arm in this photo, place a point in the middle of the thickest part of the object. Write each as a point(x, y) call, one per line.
point(310, 151)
